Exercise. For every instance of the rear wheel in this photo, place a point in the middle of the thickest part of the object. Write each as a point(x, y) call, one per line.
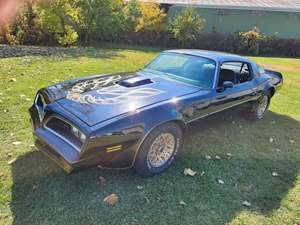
point(258, 109)
point(158, 150)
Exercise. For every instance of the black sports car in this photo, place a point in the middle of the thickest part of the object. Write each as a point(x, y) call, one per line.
point(137, 119)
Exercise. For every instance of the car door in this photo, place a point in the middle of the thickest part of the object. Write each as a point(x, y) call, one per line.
point(243, 89)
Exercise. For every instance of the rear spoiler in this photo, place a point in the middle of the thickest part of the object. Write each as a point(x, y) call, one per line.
point(277, 77)
point(274, 73)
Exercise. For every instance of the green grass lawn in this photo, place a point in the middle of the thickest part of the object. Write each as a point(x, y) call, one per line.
point(33, 190)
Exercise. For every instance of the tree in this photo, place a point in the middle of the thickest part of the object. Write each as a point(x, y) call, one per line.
point(59, 20)
point(151, 18)
point(101, 19)
point(186, 26)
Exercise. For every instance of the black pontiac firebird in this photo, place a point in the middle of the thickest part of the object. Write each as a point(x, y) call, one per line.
point(137, 119)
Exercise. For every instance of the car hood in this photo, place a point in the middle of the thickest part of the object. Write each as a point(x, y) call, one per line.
point(99, 98)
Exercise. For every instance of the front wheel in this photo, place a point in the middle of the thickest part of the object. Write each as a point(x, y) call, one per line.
point(158, 150)
point(258, 110)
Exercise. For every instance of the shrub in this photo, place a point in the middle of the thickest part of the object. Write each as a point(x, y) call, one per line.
point(249, 41)
point(186, 26)
point(6, 35)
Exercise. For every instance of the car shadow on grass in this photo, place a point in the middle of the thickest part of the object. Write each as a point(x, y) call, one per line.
point(249, 152)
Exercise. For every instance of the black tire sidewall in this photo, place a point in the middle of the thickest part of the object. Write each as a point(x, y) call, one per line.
point(142, 166)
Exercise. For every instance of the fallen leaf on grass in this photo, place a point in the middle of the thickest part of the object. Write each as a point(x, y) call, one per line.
point(271, 140)
point(278, 150)
point(102, 180)
point(202, 173)
point(246, 203)
point(13, 80)
point(208, 157)
point(220, 181)
point(139, 187)
point(218, 157)
point(111, 199)
point(11, 161)
point(17, 143)
point(182, 203)
point(229, 154)
point(189, 172)
point(292, 141)
point(274, 174)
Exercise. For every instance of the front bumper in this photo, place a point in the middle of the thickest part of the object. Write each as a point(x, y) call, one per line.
point(57, 150)
point(70, 159)
point(98, 150)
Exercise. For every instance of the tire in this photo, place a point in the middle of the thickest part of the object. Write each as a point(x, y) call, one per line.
point(259, 108)
point(158, 150)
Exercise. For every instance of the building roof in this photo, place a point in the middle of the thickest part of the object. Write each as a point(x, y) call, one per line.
point(265, 5)
point(217, 56)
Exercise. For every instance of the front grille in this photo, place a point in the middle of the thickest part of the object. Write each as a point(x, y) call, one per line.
point(62, 129)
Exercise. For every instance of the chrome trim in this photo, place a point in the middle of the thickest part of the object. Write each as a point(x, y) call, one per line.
point(40, 109)
point(60, 136)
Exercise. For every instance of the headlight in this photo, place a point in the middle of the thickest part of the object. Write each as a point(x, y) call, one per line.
point(77, 133)
point(82, 137)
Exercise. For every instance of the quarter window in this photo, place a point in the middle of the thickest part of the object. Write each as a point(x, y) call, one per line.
point(235, 72)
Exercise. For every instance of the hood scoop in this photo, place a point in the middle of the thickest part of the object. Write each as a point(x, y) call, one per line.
point(135, 81)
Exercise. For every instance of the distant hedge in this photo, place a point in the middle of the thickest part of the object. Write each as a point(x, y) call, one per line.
point(71, 22)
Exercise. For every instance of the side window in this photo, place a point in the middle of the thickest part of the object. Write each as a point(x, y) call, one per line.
point(235, 72)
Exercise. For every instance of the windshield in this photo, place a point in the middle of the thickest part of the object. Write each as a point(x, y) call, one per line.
point(191, 69)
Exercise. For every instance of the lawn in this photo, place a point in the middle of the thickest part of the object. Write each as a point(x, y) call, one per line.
point(33, 190)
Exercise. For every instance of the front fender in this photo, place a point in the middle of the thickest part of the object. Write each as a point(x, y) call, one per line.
point(129, 131)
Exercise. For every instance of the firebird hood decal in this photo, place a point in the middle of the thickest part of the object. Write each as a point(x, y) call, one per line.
point(97, 99)
point(113, 95)
point(94, 84)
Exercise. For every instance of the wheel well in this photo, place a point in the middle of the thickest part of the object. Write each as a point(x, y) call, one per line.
point(272, 91)
point(181, 124)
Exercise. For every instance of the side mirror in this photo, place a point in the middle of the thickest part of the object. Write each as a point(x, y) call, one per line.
point(228, 84)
